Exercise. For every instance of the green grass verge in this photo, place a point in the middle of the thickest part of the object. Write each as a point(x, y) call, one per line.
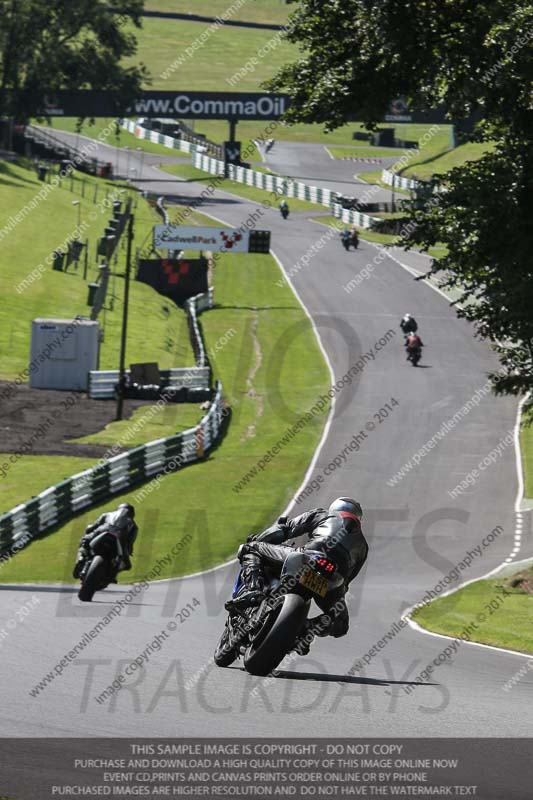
point(142, 427)
point(526, 440)
point(364, 151)
point(60, 294)
point(32, 474)
point(190, 173)
point(429, 164)
point(507, 620)
point(272, 357)
point(388, 214)
point(216, 60)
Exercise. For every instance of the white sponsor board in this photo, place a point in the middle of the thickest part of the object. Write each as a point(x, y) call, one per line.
point(200, 237)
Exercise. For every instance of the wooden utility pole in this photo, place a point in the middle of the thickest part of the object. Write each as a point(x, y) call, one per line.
point(122, 365)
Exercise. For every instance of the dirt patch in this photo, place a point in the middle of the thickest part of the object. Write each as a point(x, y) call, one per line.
point(41, 421)
point(252, 391)
point(523, 581)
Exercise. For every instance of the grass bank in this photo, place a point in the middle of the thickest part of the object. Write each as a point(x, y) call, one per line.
point(25, 250)
point(226, 58)
point(427, 164)
point(364, 151)
point(526, 441)
point(501, 613)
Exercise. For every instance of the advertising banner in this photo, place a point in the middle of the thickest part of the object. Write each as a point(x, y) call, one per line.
point(178, 279)
point(200, 237)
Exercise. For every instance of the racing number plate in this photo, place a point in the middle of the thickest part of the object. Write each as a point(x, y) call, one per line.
point(314, 582)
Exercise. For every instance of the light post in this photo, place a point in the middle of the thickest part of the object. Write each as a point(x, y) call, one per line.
point(141, 150)
point(78, 203)
point(127, 149)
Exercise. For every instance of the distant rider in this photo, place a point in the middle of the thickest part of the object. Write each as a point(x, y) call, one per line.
point(120, 521)
point(408, 324)
point(335, 531)
point(413, 344)
point(284, 208)
point(346, 238)
point(354, 239)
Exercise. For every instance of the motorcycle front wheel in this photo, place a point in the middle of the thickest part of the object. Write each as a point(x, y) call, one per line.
point(94, 579)
point(277, 636)
point(224, 654)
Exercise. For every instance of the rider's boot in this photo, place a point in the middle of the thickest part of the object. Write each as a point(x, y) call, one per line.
point(252, 591)
point(80, 563)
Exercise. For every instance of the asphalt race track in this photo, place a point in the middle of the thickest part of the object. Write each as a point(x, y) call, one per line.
point(417, 534)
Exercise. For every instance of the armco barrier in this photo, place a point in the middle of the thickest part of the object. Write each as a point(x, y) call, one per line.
point(157, 138)
point(409, 184)
point(262, 180)
point(102, 382)
point(355, 217)
point(186, 143)
point(59, 503)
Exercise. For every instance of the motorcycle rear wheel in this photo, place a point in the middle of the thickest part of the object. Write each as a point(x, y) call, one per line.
point(277, 637)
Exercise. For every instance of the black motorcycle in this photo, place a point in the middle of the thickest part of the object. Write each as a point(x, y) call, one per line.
point(284, 211)
point(102, 566)
point(265, 634)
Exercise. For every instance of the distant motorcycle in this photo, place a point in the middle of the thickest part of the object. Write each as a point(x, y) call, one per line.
point(284, 209)
point(265, 634)
point(350, 239)
point(101, 568)
point(346, 240)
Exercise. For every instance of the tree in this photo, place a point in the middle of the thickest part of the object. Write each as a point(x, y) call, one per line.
point(467, 55)
point(52, 45)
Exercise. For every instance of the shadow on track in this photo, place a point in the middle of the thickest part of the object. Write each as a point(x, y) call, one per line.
point(30, 587)
point(317, 676)
point(282, 674)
